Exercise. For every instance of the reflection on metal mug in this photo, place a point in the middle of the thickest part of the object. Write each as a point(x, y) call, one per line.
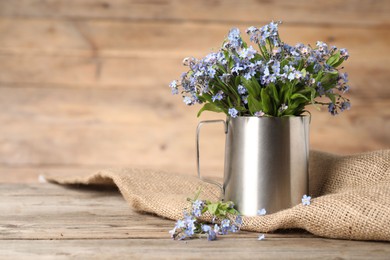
point(266, 162)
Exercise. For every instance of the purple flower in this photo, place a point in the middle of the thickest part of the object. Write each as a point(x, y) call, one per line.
point(241, 90)
point(344, 53)
point(197, 207)
point(247, 53)
point(306, 200)
point(254, 34)
point(212, 235)
point(211, 72)
point(233, 112)
point(332, 109)
point(188, 101)
point(173, 86)
point(216, 228)
point(320, 89)
point(206, 228)
point(322, 47)
point(261, 212)
point(345, 106)
point(225, 223)
point(245, 99)
point(276, 67)
point(283, 107)
point(238, 220)
point(234, 228)
point(234, 39)
point(259, 113)
point(343, 77)
point(218, 96)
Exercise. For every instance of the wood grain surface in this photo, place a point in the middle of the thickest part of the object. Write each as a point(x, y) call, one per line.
point(45, 221)
point(84, 84)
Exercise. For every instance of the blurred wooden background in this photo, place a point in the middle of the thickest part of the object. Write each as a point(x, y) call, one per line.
point(84, 83)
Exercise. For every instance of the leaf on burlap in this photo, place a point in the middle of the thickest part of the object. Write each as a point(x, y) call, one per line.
point(352, 196)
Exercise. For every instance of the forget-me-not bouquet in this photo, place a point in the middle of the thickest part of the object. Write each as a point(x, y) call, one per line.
point(274, 80)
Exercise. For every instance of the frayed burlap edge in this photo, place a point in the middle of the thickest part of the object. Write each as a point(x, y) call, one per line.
point(352, 196)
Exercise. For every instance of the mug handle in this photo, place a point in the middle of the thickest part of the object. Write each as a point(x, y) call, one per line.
point(198, 155)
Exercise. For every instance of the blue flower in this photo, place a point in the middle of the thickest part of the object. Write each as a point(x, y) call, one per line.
point(261, 212)
point(218, 96)
point(254, 34)
point(345, 89)
point(234, 228)
point(211, 72)
point(259, 113)
point(344, 53)
point(345, 106)
point(188, 101)
point(283, 107)
point(320, 89)
point(233, 112)
point(180, 224)
point(206, 228)
point(197, 207)
point(247, 53)
point(276, 67)
point(234, 39)
point(221, 58)
point(245, 99)
point(225, 223)
point(306, 200)
point(322, 47)
point(173, 86)
point(238, 220)
point(332, 109)
point(343, 77)
point(241, 90)
point(212, 235)
point(216, 228)
point(261, 237)
point(238, 67)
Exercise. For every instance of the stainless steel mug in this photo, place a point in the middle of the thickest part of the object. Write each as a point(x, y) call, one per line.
point(266, 162)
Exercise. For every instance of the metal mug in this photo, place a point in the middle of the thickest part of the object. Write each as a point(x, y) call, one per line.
point(266, 162)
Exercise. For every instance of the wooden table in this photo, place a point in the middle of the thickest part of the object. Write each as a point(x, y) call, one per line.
point(43, 221)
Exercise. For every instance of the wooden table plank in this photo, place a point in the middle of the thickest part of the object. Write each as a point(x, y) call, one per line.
point(344, 12)
point(115, 38)
point(225, 248)
point(45, 221)
point(103, 128)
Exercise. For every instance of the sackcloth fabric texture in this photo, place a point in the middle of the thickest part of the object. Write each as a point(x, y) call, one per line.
point(351, 195)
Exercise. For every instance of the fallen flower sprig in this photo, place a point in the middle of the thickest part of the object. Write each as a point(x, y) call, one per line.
point(229, 220)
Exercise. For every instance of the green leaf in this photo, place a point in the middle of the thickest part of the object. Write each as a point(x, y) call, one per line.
point(237, 81)
point(210, 107)
point(212, 208)
point(298, 96)
point(333, 59)
point(254, 104)
point(266, 102)
point(233, 211)
point(221, 212)
point(256, 86)
point(274, 93)
point(303, 72)
point(338, 63)
point(248, 85)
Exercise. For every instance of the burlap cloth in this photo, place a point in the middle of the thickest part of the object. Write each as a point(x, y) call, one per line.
point(351, 196)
